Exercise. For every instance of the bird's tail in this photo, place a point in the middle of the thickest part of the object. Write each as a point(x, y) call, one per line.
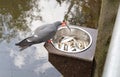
point(23, 44)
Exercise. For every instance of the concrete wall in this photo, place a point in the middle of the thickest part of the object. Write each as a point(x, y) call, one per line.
point(106, 22)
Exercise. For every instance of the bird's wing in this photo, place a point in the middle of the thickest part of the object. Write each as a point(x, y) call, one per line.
point(41, 28)
point(42, 36)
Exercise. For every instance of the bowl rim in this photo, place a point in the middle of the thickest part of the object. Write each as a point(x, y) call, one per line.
point(71, 26)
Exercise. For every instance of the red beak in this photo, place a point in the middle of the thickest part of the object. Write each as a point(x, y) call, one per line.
point(63, 24)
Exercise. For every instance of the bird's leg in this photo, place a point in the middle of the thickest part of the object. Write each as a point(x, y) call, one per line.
point(49, 41)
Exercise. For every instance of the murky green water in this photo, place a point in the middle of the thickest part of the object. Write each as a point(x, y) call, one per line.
point(19, 18)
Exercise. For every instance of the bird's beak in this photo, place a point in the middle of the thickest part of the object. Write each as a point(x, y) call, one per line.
point(65, 24)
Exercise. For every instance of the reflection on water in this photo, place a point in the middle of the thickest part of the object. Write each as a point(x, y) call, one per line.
point(83, 13)
point(18, 19)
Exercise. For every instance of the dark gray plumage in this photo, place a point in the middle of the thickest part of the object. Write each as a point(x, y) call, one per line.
point(41, 34)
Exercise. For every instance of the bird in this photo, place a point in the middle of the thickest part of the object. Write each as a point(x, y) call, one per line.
point(42, 34)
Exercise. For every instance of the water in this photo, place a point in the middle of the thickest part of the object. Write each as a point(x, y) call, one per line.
point(18, 19)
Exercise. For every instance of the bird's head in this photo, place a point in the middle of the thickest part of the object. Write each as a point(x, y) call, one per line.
point(65, 24)
point(59, 23)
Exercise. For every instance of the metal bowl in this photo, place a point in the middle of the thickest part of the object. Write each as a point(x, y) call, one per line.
point(76, 40)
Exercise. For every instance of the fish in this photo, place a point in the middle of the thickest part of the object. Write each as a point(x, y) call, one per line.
point(71, 44)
